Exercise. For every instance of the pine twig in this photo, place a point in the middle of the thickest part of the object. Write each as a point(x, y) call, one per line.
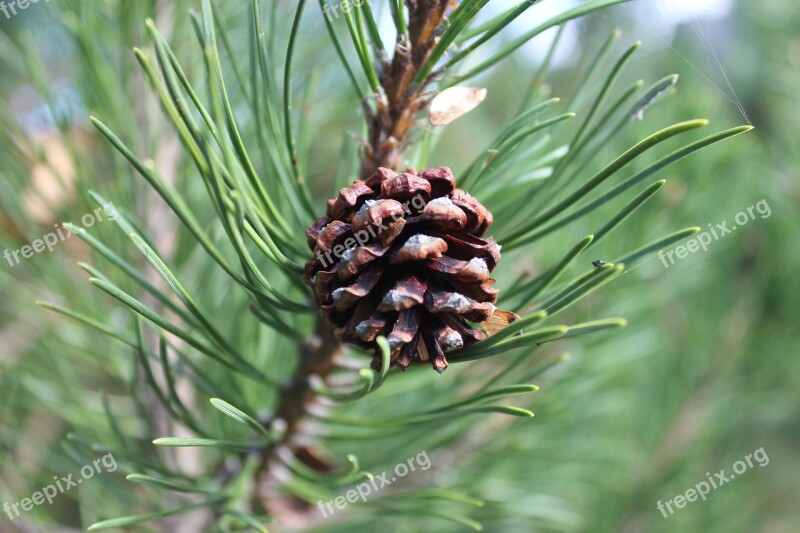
point(316, 359)
point(401, 98)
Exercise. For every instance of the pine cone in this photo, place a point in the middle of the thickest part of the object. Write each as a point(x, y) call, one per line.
point(401, 255)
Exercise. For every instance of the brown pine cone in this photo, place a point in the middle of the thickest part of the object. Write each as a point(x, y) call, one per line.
point(401, 255)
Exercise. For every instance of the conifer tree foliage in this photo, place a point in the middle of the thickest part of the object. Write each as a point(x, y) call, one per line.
point(224, 388)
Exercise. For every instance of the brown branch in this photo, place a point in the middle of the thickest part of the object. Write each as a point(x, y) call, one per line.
point(389, 125)
point(402, 99)
point(316, 359)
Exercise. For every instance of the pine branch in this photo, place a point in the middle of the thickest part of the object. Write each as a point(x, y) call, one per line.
point(316, 359)
point(398, 103)
point(401, 97)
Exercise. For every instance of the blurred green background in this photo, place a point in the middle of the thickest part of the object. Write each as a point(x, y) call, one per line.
point(706, 372)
